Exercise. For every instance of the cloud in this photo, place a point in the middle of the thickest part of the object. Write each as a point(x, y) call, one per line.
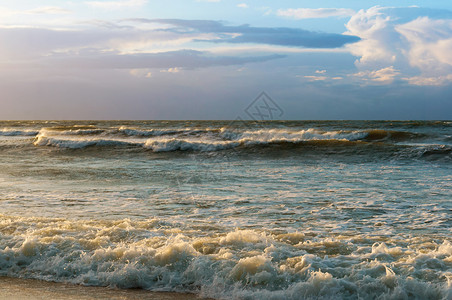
point(429, 81)
point(141, 73)
point(430, 43)
point(315, 13)
point(117, 4)
point(320, 77)
point(384, 76)
point(175, 60)
point(31, 43)
point(377, 37)
point(415, 41)
point(292, 37)
point(47, 10)
point(242, 5)
point(103, 48)
point(50, 10)
point(171, 70)
point(315, 78)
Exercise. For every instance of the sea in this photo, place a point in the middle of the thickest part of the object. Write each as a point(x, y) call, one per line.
point(231, 209)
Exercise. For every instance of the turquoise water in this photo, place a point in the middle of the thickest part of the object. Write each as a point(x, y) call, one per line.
point(278, 210)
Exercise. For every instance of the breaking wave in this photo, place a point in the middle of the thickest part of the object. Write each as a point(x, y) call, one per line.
point(240, 264)
point(16, 132)
point(410, 141)
point(396, 144)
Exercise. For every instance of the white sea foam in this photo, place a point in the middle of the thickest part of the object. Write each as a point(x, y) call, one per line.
point(238, 264)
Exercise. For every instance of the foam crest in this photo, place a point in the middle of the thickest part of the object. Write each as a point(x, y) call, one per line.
point(237, 264)
point(284, 135)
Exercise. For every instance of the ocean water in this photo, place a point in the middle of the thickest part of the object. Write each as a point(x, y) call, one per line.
point(231, 210)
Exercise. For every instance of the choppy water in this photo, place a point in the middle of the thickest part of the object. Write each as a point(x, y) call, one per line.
point(272, 210)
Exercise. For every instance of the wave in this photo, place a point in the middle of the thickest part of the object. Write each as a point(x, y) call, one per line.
point(237, 264)
point(282, 135)
point(186, 145)
point(163, 131)
point(17, 132)
point(62, 131)
point(192, 137)
point(150, 132)
point(339, 142)
point(42, 140)
point(228, 133)
point(199, 143)
point(438, 151)
point(390, 135)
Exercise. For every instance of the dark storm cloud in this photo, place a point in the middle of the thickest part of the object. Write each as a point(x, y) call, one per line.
point(281, 36)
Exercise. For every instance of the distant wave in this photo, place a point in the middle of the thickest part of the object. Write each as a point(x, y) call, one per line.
point(216, 139)
point(77, 143)
point(385, 135)
point(16, 132)
point(186, 145)
point(162, 131)
point(437, 151)
point(225, 133)
point(191, 137)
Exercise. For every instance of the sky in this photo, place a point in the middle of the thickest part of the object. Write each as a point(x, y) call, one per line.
point(210, 59)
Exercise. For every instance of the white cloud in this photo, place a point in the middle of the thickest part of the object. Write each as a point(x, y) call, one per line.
point(385, 75)
point(378, 37)
point(315, 78)
point(51, 10)
point(430, 44)
point(429, 81)
point(314, 13)
point(141, 73)
point(242, 5)
point(171, 70)
point(47, 10)
point(419, 47)
point(117, 4)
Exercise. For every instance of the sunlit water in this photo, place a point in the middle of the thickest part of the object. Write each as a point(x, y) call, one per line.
point(278, 210)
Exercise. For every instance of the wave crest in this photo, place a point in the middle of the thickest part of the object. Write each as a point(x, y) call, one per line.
point(236, 264)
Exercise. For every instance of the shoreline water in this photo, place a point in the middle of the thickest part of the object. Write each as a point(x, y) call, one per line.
point(33, 289)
